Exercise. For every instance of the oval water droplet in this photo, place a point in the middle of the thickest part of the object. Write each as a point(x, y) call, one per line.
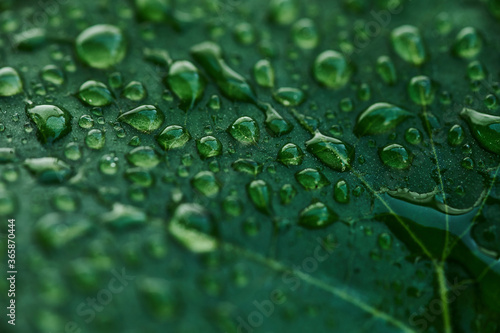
point(408, 44)
point(332, 69)
point(185, 80)
point(95, 93)
point(379, 118)
point(245, 130)
point(333, 152)
point(468, 43)
point(209, 146)
point(101, 46)
point(248, 166)
point(134, 91)
point(290, 154)
point(317, 216)
point(264, 73)
point(289, 96)
point(485, 128)
point(145, 118)
point(52, 122)
point(396, 156)
point(173, 136)
point(10, 82)
point(144, 157)
point(311, 179)
point(341, 191)
point(422, 90)
point(205, 183)
point(260, 193)
point(95, 139)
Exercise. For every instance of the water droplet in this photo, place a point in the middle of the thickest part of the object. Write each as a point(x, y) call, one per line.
point(247, 166)
point(476, 71)
point(10, 82)
point(145, 118)
point(317, 216)
point(144, 157)
point(311, 179)
point(287, 193)
point(214, 102)
point(422, 90)
point(260, 193)
point(396, 156)
point(192, 226)
point(48, 169)
point(72, 151)
point(134, 91)
point(108, 164)
point(485, 128)
point(341, 191)
point(30, 39)
point(7, 155)
point(304, 33)
point(385, 241)
point(232, 205)
point(53, 123)
point(153, 10)
point(379, 118)
point(346, 104)
point(232, 84)
point(95, 139)
point(95, 93)
point(173, 136)
point(52, 74)
point(245, 130)
point(275, 123)
point(205, 183)
point(101, 46)
point(413, 136)
point(264, 73)
point(408, 44)
point(456, 135)
point(139, 176)
point(386, 69)
point(209, 146)
point(291, 154)
point(244, 33)
point(185, 80)
point(332, 69)
point(283, 12)
point(468, 43)
point(289, 96)
point(333, 152)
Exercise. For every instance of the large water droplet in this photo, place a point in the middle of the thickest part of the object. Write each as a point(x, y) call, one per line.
point(101, 46)
point(192, 226)
point(291, 154)
point(209, 146)
point(247, 166)
point(95, 93)
point(205, 183)
point(144, 157)
point(408, 44)
point(289, 96)
point(245, 130)
point(396, 156)
point(311, 179)
point(317, 216)
point(260, 193)
point(264, 73)
point(48, 169)
point(232, 84)
point(332, 69)
point(52, 122)
point(379, 118)
point(485, 128)
point(146, 118)
point(185, 80)
point(10, 82)
point(468, 43)
point(333, 152)
point(422, 90)
point(173, 136)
